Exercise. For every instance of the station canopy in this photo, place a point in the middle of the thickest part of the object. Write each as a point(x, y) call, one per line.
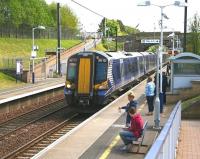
point(186, 64)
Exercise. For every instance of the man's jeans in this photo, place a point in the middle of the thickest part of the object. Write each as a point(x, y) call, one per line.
point(126, 136)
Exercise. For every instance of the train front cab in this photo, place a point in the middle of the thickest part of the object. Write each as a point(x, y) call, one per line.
point(86, 81)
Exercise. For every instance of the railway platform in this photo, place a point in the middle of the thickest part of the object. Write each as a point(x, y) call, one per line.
point(97, 137)
point(7, 95)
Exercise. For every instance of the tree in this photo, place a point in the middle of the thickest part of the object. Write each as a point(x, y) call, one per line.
point(15, 12)
point(195, 34)
point(22, 15)
point(68, 18)
point(111, 26)
point(53, 12)
point(2, 5)
point(39, 11)
point(131, 30)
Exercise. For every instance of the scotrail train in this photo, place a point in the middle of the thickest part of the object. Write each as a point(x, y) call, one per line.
point(92, 76)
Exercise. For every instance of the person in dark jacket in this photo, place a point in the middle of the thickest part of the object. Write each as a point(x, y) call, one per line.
point(168, 70)
point(134, 131)
point(164, 86)
point(164, 89)
point(132, 103)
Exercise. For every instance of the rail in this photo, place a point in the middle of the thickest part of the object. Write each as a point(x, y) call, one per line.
point(165, 145)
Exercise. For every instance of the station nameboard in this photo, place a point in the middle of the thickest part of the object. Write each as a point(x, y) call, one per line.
point(150, 41)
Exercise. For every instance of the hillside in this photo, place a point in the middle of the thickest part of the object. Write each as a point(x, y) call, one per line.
point(11, 47)
point(8, 82)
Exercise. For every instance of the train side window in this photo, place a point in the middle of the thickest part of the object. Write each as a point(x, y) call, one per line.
point(141, 62)
point(71, 73)
point(116, 71)
point(136, 66)
point(130, 65)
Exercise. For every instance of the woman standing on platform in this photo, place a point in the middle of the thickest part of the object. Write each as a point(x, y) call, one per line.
point(149, 92)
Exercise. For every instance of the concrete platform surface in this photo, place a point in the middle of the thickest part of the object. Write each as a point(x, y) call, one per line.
point(30, 89)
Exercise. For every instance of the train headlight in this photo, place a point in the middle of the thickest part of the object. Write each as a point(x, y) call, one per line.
point(103, 85)
point(68, 85)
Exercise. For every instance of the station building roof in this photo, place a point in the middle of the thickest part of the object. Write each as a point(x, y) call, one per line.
point(186, 57)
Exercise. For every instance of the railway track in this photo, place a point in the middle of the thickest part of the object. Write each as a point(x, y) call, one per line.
point(33, 147)
point(16, 133)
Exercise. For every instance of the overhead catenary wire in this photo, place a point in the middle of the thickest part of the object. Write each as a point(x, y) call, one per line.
point(94, 13)
point(89, 9)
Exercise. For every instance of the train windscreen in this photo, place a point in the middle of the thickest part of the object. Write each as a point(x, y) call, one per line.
point(101, 72)
point(71, 71)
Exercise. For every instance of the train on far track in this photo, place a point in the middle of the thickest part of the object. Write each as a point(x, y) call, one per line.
point(93, 77)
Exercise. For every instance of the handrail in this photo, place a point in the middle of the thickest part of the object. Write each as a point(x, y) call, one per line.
point(165, 144)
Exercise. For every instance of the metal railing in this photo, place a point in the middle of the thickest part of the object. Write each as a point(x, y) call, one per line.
point(165, 145)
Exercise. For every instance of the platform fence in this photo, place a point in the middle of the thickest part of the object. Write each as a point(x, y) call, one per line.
point(165, 145)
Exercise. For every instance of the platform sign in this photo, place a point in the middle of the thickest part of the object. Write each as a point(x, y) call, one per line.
point(19, 67)
point(150, 41)
point(33, 54)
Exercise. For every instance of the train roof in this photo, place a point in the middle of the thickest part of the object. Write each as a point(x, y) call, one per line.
point(117, 55)
point(122, 54)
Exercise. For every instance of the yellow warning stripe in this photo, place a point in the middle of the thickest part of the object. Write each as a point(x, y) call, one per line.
point(106, 153)
point(109, 149)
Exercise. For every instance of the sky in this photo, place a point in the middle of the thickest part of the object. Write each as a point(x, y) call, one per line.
point(146, 18)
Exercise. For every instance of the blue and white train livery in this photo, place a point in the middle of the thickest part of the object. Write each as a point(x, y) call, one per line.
point(93, 76)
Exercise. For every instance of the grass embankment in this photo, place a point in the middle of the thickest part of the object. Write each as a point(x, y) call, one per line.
point(8, 81)
point(100, 47)
point(21, 48)
point(107, 45)
point(189, 102)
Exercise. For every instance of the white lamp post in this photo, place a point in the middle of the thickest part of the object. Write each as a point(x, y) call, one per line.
point(172, 35)
point(159, 59)
point(33, 53)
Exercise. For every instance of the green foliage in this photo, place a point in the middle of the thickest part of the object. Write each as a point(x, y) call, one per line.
point(189, 102)
point(31, 13)
point(112, 28)
point(68, 18)
point(14, 13)
point(130, 30)
point(111, 45)
point(153, 48)
point(194, 36)
point(115, 25)
point(121, 26)
point(100, 47)
point(53, 12)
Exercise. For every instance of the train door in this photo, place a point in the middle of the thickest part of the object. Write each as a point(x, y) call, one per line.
point(85, 78)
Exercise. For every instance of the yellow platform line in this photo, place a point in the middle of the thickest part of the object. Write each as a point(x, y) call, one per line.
point(108, 150)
